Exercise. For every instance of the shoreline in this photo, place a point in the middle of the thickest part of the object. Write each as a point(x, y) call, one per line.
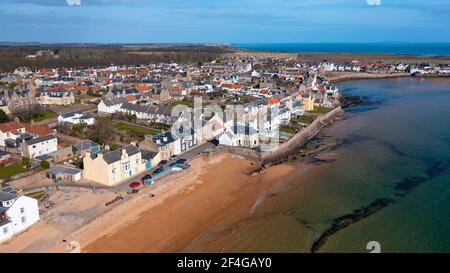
point(338, 77)
point(343, 57)
point(101, 233)
point(251, 190)
point(175, 223)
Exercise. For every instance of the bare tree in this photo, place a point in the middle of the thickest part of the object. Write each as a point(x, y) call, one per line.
point(103, 130)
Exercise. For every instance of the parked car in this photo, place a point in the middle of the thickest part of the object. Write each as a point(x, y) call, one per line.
point(158, 171)
point(135, 184)
point(145, 177)
point(174, 158)
point(181, 161)
point(172, 164)
point(163, 162)
point(177, 169)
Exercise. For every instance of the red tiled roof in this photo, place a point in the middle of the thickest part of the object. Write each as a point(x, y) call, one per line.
point(273, 100)
point(68, 87)
point(94, 88)
point(142, 88)
point(84, 88)
point(130, 98)
point(14, 126)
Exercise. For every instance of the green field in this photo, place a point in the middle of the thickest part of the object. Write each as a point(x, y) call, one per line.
point(134, 129)
point(287, 129)
point(12, 170)
point(46, 114)
point(36, 195)
point(320, 110)
point(304, 119)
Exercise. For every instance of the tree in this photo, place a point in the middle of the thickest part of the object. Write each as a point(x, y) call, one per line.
point(102, 130)
point(3, 116)
point(44, 164)
point(25, 160)
point(130, 117)
point(28, 113)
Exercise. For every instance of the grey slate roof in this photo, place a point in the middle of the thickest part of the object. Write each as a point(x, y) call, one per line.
point(63, 170)
point(84, 144)
point(114, 156)
point(40, 139)
point(148, 155)
point(43, 157)
point(114, 101)
point(6, 196)
point(163, 110)
point(135, 107)
point(163, 138)
point(70, 114)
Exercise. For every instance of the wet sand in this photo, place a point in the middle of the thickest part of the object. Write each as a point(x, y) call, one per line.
point(221, 194)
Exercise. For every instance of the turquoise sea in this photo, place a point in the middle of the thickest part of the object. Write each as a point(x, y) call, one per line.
point(426, 49)
point(396, 147)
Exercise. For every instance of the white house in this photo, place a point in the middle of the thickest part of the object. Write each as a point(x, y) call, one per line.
point(239, 135)
point(328, 66)
point(75, 118)
point(14, 131)
point(111, 106)
point(17, 213)
point(40, 146)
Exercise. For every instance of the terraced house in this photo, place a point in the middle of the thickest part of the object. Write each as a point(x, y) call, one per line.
point(55, 98)
point(112, 167)
point(160, 114)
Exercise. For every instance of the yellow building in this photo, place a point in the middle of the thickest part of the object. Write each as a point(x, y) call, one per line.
point(55, 98)
point(308, 102)
point(113, 167)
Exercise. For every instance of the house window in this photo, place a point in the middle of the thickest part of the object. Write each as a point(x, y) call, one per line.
point(24, 219)
point(5, 230)
point(22, 210)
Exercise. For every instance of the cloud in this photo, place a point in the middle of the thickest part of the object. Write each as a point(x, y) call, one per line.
point(73, 2)
point(374, 2)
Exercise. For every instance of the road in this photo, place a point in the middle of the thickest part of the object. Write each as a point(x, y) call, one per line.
point(125, 186)
point(188, 155)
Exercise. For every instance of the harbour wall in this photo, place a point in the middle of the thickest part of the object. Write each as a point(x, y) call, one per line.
point(302, 137)
point(289, 147)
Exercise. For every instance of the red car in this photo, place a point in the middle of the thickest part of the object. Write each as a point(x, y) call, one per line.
point(135, 184)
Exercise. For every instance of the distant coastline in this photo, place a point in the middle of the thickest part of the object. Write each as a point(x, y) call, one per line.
point(417, 49)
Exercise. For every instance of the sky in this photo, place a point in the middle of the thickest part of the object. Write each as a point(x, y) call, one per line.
point(224, 21)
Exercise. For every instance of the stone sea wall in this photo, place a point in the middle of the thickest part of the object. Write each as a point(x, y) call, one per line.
point(302, 137)
point(290, 146)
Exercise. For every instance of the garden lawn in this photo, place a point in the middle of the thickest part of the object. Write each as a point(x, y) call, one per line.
point(46, 114)
point(134, 129)
point(320, 110)
point(12, 170)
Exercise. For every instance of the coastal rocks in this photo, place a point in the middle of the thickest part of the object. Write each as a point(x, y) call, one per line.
point(256, 169)
point(401, 188)
point(291, 147)
point(352, 103)
point(346, 220)
point(410, 183)
point(319, 161)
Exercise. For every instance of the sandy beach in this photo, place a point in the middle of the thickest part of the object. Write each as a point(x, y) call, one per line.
point(220, 192)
